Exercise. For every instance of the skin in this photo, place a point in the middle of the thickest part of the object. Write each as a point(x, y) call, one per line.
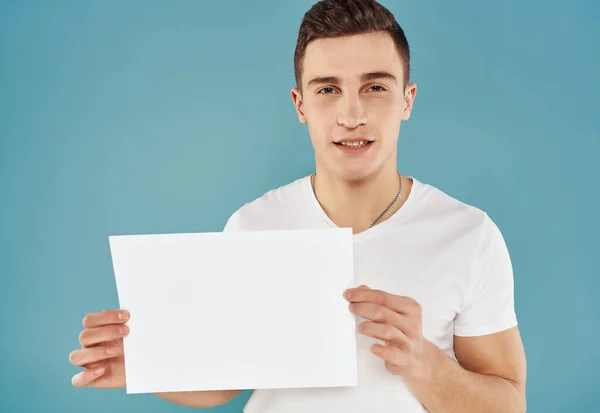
point(354, 189)
point(101, 356)
point(359, 91)
point(490, 373)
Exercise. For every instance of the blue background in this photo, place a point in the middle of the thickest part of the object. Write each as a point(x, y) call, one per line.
point(154, 117)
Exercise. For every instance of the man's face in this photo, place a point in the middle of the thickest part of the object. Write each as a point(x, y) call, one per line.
point(353, 91)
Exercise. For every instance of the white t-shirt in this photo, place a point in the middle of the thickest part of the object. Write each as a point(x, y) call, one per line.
point(447, 255)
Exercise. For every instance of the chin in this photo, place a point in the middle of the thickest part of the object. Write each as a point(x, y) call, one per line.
point(356, 172)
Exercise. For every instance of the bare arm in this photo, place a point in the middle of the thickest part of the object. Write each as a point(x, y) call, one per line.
point(489, 377)
point(101, 356)
point(200, 399)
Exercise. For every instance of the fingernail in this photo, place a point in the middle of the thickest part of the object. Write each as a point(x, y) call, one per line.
point(123, 315)
point(99, 371)
point(347, 294)
point(110, 351)
point(124, 330)
point(75, 379)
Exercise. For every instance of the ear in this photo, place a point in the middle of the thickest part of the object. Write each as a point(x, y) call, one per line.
point(297, 100)
point(409, 98)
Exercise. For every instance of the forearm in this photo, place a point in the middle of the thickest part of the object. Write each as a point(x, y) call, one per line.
point(199, 399)
point(443, 386)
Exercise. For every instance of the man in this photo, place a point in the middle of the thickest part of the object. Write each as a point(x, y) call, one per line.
point(437, 330)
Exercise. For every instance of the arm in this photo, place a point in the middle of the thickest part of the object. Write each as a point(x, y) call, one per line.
point(101, 356)
point(489, 377)
point(204, 399)
point(199, 399)
point(490, 373)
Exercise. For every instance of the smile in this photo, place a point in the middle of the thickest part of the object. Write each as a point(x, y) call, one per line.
point(354, 147)
point(355, 144)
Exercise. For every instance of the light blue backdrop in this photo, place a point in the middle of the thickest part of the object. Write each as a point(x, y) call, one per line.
point(154, 117)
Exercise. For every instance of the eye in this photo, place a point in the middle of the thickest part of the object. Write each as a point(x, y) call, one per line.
point(377, 88)
point(326, 91)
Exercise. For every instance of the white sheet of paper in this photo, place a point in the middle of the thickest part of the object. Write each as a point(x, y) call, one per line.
point(236, 310)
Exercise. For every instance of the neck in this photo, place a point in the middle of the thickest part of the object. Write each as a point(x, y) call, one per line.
point(357, 203)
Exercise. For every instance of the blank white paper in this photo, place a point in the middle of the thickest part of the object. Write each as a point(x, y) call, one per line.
point(243, 310)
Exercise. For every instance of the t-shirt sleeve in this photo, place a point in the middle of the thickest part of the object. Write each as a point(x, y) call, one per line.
point(489, 307)
point(233, 223)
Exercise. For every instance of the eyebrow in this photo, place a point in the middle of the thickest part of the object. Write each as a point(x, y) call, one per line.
point(363, 78)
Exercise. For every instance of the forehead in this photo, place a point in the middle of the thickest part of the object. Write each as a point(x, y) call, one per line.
point(349, 56)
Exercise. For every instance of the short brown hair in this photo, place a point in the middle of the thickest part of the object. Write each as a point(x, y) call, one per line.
point(336, 18)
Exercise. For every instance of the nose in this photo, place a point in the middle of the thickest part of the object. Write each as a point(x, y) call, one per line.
point(350, 111)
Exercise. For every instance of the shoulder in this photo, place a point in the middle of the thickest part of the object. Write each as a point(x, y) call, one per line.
point(451, 216)
point(466, 232)
point(273, 208)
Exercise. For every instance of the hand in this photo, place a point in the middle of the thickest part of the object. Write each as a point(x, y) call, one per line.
point(395, 320)
point(101, 352)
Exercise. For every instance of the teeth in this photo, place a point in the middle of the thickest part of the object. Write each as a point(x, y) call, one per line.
point(354, 144)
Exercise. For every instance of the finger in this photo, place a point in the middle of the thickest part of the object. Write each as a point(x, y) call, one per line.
point(397, 303)
point(102, 318)
point(392, 355)
point(385, 332)
point(93, 354)
point(88, 376)
point(410, 326)
point(376, 313)
point(93, 336)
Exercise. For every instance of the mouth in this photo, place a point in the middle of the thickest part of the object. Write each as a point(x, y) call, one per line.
point(354, 143)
